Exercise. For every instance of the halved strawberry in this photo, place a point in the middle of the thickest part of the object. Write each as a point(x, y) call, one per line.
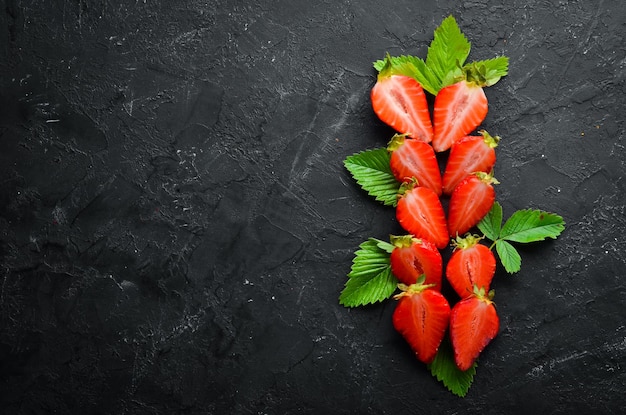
point(470, 154)
point(419, 212)
point(471, 200)
point(459, 109)
point(412, 158)
point(412, 257)
point(473, 324)
point(421, 316)
point(471, 265)
point(400, 102)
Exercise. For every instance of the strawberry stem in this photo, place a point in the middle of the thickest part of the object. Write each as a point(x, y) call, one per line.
point(403, 241)
point(396, 142)
point(466, 242)
point(486, 177)
point(416, 288)
point(491, 140)
point(386, 70)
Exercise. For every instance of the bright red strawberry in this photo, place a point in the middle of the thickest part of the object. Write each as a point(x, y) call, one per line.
point(473, 324)
point(459, 109)
point(400, 102)
point(471, 265)
point(419, 212)
point(471, 200)
point(468, 155)
point(412, 257)
point(421, 316)
point(412, 158)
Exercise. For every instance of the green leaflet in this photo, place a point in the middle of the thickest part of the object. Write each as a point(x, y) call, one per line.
point(445, 62)
point(447, 53)
point(371, 170)
point(490, 70)
point(524, 226)
point(509, 257)
point(370, 279)
point(445, 370)
point(490, 224)
point(531, 225)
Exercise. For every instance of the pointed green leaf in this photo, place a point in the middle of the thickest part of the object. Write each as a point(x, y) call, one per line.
point(446, 55)
point(372, 172)
point(445, 370)
point(384, 246)
point(491, 223)
point(530, 225)
point(447, 52)
point(509, 257)
point(370, 279)
point(426, 77)
point(399, 65)
point(413, 67)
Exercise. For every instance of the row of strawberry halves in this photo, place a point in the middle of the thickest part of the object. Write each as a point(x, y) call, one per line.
point(423, 314)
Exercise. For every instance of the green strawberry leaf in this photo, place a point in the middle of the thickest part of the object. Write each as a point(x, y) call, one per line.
point(491, 223)
point(524, 226)
point(384, 246)
point(488, 71)
point(447, 52)
point(445, 57)
point(370, 279)
point(531, 225)
point(445, 370)
point(411, 66)
point(371, 170)
point(509, 257)
point(398, 65)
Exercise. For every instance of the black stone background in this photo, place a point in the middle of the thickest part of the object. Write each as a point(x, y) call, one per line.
point(176, 222)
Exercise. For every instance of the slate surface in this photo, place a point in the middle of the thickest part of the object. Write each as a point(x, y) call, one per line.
point(176, 223)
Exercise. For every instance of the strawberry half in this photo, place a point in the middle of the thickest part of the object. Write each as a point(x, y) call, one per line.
point(473, 324)
point(419, 212)
point(471, 200)
point(421, 316)
point(468, 155)
point(459, 109)
point(471, 265)
point(412, 257)
point(412, 158)
point(400, 102)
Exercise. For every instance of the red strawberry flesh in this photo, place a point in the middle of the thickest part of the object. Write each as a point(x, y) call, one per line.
point(400, 102)
point(459, 109)
point(422, 316)
point(473, 324)
point(413, 257)
point(419, 212)
point(471, 264)
point(470, 201)
point(468, 155)
point(415, 159)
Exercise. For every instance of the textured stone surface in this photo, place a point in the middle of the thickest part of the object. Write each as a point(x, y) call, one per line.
point(176, 223)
